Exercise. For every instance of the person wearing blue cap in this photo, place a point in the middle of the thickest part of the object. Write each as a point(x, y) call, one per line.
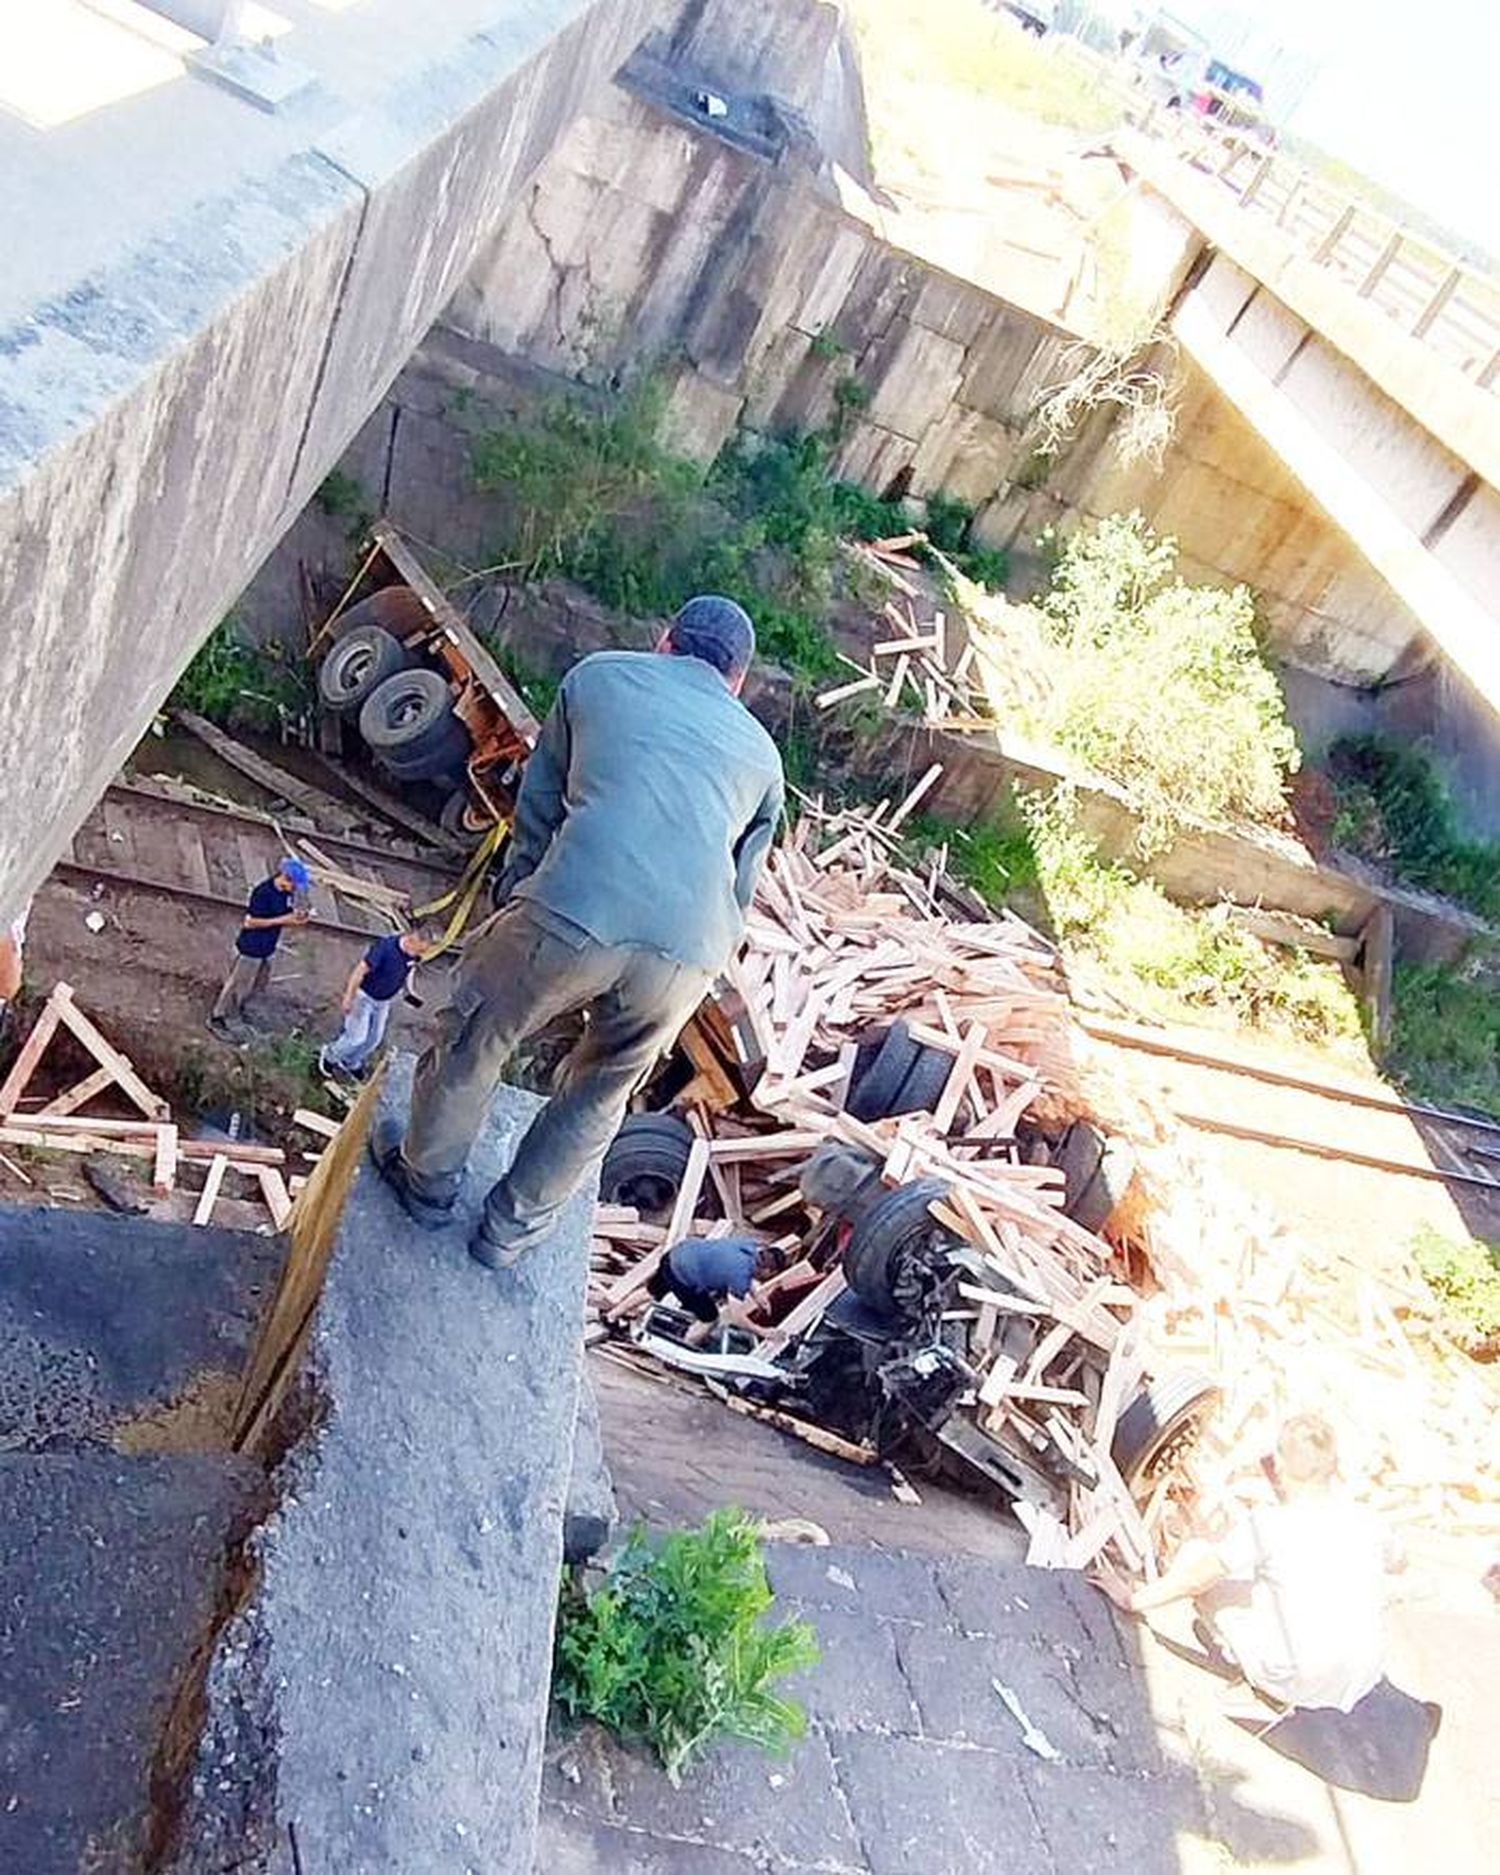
point(271, 908)
point(645, 814)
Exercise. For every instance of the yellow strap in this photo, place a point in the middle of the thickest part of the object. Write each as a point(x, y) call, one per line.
point(463, 895)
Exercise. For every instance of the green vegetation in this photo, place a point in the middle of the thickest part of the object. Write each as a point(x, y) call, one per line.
point(585, 489)
point(241, 685)
point(1445, 1032)
point(1157, 956)
point(343, 497)
point(1394, 811)
point(537, 688)
point(671, 1647)
point(1161, 686)
point(1464, 1273)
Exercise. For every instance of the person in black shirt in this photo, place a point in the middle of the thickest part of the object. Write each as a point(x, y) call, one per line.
point(374, 984)
point(272, 907)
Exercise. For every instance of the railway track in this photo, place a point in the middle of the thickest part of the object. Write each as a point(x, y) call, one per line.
point(155, 839)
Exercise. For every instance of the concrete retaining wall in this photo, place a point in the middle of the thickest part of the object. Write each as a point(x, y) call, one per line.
point(168, 406)
point(647, 237)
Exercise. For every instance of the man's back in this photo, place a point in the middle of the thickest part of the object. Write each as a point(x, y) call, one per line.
point(648, 806)
point(1303, 1606)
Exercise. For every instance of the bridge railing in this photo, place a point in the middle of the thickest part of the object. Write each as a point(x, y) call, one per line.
point(1433, 295)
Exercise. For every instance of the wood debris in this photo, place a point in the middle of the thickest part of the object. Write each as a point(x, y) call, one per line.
point(157, 1140)
point(1062, 1327)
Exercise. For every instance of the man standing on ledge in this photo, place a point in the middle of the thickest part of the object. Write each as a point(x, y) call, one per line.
point(645, 815)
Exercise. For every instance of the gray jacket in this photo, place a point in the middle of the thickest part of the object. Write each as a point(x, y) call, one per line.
point(647, 807)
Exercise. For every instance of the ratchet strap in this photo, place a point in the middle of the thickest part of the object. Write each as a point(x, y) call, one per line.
point(463, 895)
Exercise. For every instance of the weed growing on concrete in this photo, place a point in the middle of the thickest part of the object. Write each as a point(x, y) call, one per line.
point(671, 1647)
point(342, 497)
point(244, 686)
point(1464, 1274)
point(1394, 811)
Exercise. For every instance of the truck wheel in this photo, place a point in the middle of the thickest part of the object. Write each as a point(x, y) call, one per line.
point(1160, 1424)
point(1097, 1170)
point(890, 1228)
point(646, 1161)
point(357, 665)
point(410, 716)
point(442, 760)
point(454, 819)
point(902, 1077)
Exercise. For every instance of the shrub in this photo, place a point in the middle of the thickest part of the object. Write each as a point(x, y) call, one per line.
point(1464, 1273)
point(1135, 933)
point(237, 684)
point(1395, 812)
point(1162, 686)
point(671, 1647)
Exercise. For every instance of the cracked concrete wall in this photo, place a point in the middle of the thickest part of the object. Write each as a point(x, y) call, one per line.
point(183, 361)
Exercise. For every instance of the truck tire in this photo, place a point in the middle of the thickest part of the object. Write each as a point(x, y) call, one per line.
point(646, 1161)
point(357, 665)
point(443, 761)
point(902, 1076)
point(395, 608)
point(454, 819)
point(1159, 1423)
point(1097, 1170)
point(883, 1233)
point(410, 717)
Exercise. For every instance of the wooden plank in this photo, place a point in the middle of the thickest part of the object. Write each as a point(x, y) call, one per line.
point(107, 1055)
point(313, 1226)
point(964, 1063)
point(1379, 939)
point(218, 1166)
point(278, 1198)
point(32, 1050)
point(164, 1172)
point(827, 698)
point(322, 808)
point(79, 1095)
point(126, 1146)
point(688, 1193)
point(765, 1146)
point(807, 1312)
point(1275, 927)
point(317, 1122)
point(815, 1436)
point(913, 800)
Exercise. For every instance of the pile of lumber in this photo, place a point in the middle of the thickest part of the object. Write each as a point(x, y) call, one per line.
point(61, 1125)
point(936, 666)
point(844, 938)
point(1286, 1326)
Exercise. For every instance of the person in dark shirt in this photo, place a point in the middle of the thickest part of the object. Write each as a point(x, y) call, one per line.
point(645, 814)
point(272, 907)
point(374, 984)
point(710, 1275)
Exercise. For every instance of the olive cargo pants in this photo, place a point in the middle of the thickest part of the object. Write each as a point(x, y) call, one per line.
point(522, 974)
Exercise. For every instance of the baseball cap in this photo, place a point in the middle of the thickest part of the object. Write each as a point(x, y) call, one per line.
point(717, 630)
point(296, 871)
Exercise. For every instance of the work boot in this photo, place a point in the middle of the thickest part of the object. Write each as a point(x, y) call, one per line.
point(385, 1150)
point(495, 1256)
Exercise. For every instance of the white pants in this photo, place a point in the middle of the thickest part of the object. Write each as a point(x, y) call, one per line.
point(362, 1033)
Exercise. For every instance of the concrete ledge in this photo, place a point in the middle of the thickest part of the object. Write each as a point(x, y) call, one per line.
point(410, 1578)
